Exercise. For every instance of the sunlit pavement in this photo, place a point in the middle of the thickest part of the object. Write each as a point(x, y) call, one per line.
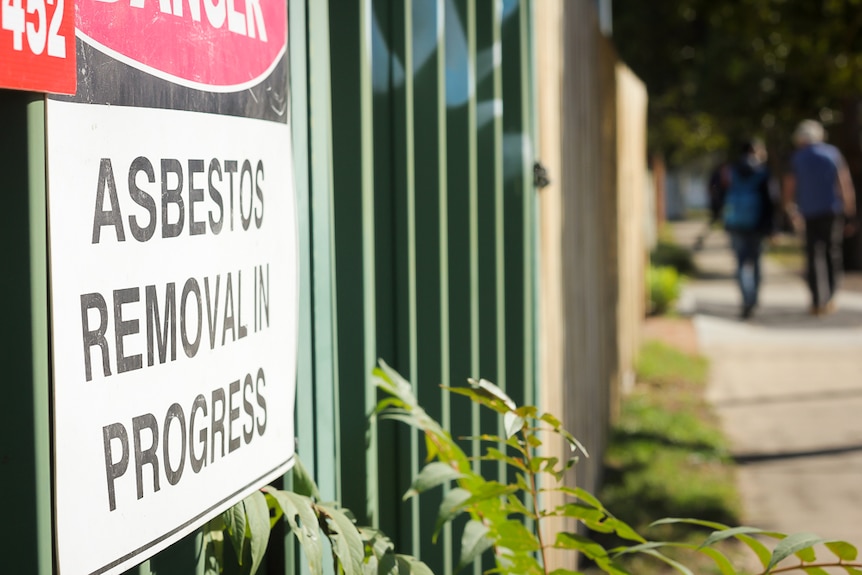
point(788, 388)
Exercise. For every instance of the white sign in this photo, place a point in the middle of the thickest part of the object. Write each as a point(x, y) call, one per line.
point(173, 260)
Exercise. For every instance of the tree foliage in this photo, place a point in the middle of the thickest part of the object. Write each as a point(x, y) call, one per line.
point(720, 70)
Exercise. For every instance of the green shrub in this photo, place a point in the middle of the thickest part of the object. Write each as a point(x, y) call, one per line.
point(669, 254)
point(663, 286)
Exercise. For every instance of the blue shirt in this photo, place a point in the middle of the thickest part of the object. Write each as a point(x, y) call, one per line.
point(816, 170)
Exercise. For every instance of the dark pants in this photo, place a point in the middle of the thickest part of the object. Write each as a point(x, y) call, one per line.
point(823, 244)
point(747, 246)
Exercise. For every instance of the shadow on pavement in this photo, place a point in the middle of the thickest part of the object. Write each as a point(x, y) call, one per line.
point(743, 459)
point(814, 394)
point(782, 317)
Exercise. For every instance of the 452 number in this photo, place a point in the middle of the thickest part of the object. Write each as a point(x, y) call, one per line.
point(39, 22)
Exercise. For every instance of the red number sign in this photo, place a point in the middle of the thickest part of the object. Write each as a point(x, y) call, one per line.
point(37, 45)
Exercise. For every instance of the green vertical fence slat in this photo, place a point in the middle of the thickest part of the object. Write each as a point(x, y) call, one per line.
point(410, 206)
point(385, 71)
point(473, 142)
point(491, 290)
point(347, 213)
point(400, 460)
point(443, 252)
point(530, 203)
point(24, 430)
point(327, 447)
point(515, 239)
point(301, 178)
point(519, 198)
point(458, 98)
point(459, 163)
point(425, 29)
point(350, 29)
point(369, 277)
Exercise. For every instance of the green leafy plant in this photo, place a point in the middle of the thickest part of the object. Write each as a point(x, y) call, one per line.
point(663, 287)
point(668, 253)
point(355, 550)
point(508, 517)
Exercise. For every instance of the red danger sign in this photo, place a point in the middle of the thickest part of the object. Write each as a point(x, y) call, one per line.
point(213, 45)
point(37, 45)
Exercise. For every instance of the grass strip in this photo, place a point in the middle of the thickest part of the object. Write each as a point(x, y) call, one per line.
point(667, 455)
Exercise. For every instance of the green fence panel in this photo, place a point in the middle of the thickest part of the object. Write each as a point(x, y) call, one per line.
point(432, 196)
point(412, 130)
point(25, 452)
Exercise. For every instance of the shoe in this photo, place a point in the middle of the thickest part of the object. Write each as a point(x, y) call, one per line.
point(821, 310)
point(747, 311)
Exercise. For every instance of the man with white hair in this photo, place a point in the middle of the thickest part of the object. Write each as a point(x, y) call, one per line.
point(819, 182)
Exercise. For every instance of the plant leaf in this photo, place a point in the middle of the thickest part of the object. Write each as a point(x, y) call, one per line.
point(590, 549)
point(790, 545)
point(717, 536)
point(303, 484)
point(580, 511)
point(450, 508)
point(642, 547)
point(557, 426)
point(430, 448)
point(276, 513)
point(807, 555)
point(675, 564)
point(474, 542)
point(390, 380)
point(483, 385)
point(432, 475)
point(257, 515)
point(346, 541)
point(400, 415)
point(623, 529)
point(234, 520)
point(411, 566)
point(302, 519)
point(723, 563)
point(527, 411)
point(489, 490)
point(759, 549)
point(513, 535)
point(583, 495)
point(843, 550)
point(497, 455)
point(512, 423)
point(574, 444)
point(482, 398)
point(515, 505)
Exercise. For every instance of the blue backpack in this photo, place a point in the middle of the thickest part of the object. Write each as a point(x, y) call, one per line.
point(743, 204)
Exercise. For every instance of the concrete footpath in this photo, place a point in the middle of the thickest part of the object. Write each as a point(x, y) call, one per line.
point(788, 389)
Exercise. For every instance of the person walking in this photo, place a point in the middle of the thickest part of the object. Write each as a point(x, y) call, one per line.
point(748, 216)
point(819, 191)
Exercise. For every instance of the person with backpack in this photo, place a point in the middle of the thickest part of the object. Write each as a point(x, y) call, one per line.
point(820, 183)
point(748, 216)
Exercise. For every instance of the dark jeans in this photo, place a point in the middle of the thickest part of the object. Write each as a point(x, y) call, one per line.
point(747, 246)
point(823, 243)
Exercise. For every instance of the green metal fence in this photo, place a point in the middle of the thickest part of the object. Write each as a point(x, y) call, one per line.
point(432, 227)
point(412, 125)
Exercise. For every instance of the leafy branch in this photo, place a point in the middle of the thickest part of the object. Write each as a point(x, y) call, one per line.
point(355, 550)
point(498, 511)
point(505, 518)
